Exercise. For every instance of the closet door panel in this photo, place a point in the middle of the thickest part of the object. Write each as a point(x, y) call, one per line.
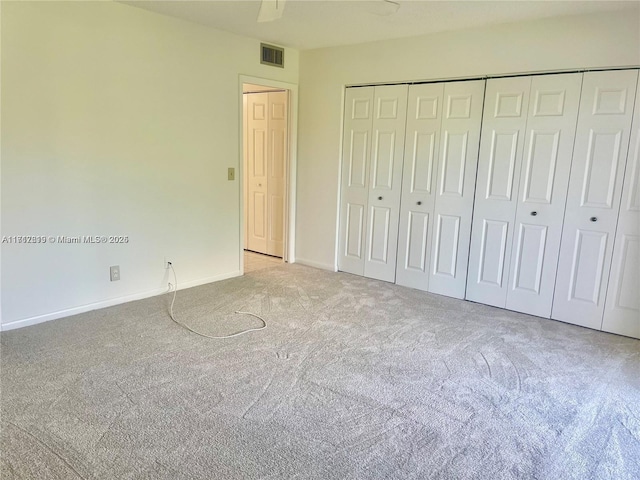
point(447, 245)
point(622, 306)
point(424, 114)
point(594, 196)
point(501, 145)
point(358, 121)
point(385, 181)
point(454, 193)
point(493, 247)
point(529, 258)
point(544, 176)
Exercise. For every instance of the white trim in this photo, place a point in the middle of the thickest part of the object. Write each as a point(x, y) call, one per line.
point(290, 220)
point(494, 75)
point(111, 302)
point(314, 264)
point(336, 246)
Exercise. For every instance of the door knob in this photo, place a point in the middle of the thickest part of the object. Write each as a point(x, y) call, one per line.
point(594, 219)
point(533, 214)
point(379, 198)
point(419, 203)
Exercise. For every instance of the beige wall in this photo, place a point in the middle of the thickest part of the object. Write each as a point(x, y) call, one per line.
point(117, 121)
point(602, 40)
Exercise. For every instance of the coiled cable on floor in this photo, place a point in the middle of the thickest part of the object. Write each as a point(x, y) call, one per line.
point(242, 332)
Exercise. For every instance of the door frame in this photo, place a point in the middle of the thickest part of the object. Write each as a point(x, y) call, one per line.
point(292, 161)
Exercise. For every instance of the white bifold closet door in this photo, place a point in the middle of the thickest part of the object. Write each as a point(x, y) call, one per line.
point(443, 133)
point(371, 180)
point(622, 306)
point(524, 171)
point(358, 121)
point(594, 197)
point(422, 145)
point(553, 108)
point(503, 132)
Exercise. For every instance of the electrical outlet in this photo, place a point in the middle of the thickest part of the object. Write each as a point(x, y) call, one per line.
point(115, 273)
point(231, 173)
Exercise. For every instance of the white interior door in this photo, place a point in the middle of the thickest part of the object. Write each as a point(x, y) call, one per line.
point(604, 125)
point(356, 145)
point(422, 139)
point(551, 124)
point(385, 181)
point(502, 142)
point(257, 150)
point(456, 176)
point(622, 306)
point(266, 155)
point(277, 172)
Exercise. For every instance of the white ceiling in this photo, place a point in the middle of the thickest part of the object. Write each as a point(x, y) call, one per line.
point(308, 24)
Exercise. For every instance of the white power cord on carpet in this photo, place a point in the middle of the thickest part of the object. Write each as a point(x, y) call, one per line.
point(242, 332)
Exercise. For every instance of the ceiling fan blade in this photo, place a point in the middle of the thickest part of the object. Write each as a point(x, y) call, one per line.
point(270, 10)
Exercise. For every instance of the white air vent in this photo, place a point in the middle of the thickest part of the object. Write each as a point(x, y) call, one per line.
point(270, 55)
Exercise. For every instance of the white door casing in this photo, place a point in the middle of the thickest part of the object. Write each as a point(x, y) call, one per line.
point(454, 194)
point(504, 125)
point(546, 165)
point(622, 305)
point(422, 139)
point(602, 141)
point(385, 181)
point(358, 121)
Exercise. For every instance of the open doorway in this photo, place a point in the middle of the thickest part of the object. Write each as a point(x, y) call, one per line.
point(266, 192)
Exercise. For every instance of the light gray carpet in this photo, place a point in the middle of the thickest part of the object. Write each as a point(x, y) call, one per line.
point(352, 379)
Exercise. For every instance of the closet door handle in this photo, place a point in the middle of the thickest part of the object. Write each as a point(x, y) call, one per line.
point(533, 214)
point(594, 219)
point(418, 203)
point(379, 198)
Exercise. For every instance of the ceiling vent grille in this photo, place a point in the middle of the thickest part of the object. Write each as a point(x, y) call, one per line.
point(270, 55)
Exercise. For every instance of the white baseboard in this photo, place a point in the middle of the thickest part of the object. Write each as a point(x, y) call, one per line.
point(215, 278)
point(311, 263)
point(111, 302)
